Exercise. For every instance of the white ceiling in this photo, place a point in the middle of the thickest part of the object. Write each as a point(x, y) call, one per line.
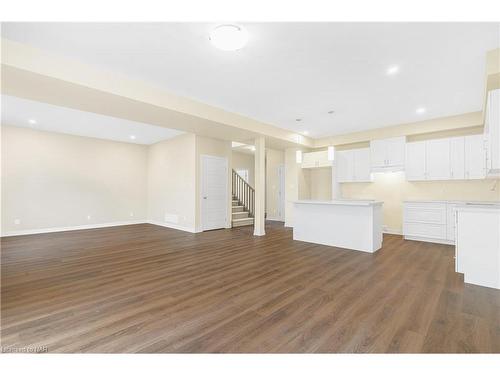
point(19, 112)
point(294, 70)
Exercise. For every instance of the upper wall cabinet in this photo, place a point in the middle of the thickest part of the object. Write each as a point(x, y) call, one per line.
point(416, 161)
point(317, 159)
point(353, 165)
point(387, 154)
point(456, 158)
point(475, 157)
point(437, 159)
point(492, 133)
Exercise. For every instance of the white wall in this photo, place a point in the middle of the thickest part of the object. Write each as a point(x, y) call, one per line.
point(242, 160)
point(297, 184)
point(52, 180)
point(172, 183)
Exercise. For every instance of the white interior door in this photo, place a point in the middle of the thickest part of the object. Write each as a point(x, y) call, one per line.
point(214, 197)
point(281, 192)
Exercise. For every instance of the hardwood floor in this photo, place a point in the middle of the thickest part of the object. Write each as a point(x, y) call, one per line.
point(144, 288)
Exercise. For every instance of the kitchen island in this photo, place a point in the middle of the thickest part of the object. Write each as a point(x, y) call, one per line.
point(350, 224)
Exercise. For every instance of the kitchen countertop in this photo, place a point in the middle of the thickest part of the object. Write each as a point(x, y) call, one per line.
point(485, 207)
point(342, 202)
point(468, 202)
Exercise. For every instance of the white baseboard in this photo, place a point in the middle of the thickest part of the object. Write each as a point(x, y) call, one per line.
point(173, 226)
point(75, 227)
point(275, 219)
point(432, 240)
point(392, 231)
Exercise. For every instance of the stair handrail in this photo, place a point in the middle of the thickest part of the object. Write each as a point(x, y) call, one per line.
point(244, 193)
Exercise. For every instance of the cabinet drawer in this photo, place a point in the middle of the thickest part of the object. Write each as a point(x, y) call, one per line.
point(437, 231)
point(430, 213)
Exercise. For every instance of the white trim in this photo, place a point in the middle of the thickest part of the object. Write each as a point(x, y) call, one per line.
point(432, 240)
point(75, 227)
point(174, 226)
point(275, 219)
point(392, 231)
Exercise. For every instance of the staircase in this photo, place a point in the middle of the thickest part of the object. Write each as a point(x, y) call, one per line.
point(243, 202)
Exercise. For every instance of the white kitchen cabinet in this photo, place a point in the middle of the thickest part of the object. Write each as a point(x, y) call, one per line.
point(475, 157)
point(353, 165)
point(387, 154)
point(492, 133)
point(437, 156)
point(457, 158)
point(378, 153)
point(308, 160)
point(415, 161)
point(425, 221)
point(450, 221)
point(429, 221)
point(362, 170)
point(477, 251)
point(317, 159)
point(344, 161)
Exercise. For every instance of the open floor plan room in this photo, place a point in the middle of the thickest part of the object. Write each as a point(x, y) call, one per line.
point(253, 187)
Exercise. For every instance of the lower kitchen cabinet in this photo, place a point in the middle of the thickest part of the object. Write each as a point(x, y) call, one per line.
point(429, 221)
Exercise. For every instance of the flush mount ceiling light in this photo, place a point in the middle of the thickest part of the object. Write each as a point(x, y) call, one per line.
point(420, 110)
point(229, 37)
point(132, 137)
point(32, 121)
point(392, 70)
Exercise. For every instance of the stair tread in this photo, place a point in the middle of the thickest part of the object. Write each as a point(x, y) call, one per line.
point(243, 219)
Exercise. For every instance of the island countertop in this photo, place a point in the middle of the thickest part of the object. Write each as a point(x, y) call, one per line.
point(342, 202)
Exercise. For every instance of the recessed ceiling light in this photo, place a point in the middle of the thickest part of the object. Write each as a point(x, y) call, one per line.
point(298, 119)
point(420, 110)
point(392, 70)
point(131, 137)
point(229, 37)
point(32, 121)
point(331, 112)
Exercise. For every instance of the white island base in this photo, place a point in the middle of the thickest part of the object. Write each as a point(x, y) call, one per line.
point(350, 224)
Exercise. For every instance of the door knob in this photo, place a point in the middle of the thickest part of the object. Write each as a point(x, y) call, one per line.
point(204, 197)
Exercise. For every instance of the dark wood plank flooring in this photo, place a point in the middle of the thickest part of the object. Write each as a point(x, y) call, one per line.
point(144, 288)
